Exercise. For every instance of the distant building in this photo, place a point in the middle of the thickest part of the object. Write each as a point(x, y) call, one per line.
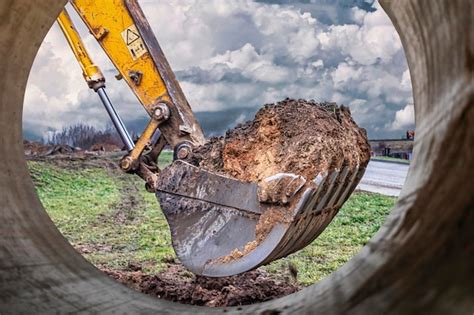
point(396, 148)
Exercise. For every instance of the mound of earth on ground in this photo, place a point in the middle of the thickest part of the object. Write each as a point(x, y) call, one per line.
point(176, 284)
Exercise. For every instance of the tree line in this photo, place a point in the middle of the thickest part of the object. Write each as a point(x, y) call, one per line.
point(84, 136)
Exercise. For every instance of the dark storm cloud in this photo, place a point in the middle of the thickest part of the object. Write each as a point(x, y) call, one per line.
point(327, 11)
point(213, 123)
point(219, 74)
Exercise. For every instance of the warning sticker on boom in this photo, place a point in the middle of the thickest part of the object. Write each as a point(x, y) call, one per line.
point(134, 42)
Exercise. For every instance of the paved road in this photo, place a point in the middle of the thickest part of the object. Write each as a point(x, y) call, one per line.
point(384, 178)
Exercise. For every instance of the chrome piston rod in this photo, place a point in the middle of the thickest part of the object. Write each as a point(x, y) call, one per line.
point(116, 120)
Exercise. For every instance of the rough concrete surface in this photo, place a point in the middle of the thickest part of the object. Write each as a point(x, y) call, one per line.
point(419, 262)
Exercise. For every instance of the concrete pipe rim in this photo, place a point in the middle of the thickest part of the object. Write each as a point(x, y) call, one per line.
point(396, 272)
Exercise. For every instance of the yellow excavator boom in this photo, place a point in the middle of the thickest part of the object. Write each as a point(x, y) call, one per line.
point(122, 30)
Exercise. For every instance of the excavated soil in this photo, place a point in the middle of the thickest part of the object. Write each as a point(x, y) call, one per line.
point(292, 136)
point(178, 285)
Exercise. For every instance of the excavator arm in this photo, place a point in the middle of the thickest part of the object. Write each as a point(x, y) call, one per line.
point(123, 32)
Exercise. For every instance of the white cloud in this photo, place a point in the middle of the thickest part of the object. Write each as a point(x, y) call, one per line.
point(358, 15)
point(251, 65)
point(406, 81)
point(344, 73)
point(404, 118)
point(376, 40)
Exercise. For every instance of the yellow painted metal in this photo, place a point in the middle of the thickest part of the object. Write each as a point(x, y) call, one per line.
point(112, 25)
point(121, 29)
point(90, 71)
point(144, 139)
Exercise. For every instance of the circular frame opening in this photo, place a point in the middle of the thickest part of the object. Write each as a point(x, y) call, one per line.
point(419, 261)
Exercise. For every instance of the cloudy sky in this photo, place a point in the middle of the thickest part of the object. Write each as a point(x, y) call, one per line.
point(233, 56)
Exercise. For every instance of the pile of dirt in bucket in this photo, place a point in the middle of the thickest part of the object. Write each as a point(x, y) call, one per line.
point(292, 136)
point(176, 284)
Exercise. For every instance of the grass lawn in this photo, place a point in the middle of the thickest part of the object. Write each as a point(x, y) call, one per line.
point(110, 218)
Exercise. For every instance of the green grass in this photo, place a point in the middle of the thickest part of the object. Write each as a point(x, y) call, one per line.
point(88, 208)
point(165, 159)
point(75, 198)
point(112, 231)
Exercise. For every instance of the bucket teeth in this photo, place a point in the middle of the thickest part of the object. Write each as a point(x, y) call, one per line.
point(323, 212)
point(280, 188)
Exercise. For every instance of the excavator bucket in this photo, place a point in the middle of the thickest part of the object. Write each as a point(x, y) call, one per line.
point(215, 219)
point(265, 190)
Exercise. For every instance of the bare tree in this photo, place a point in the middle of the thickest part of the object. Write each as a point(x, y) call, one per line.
point(85, 136)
